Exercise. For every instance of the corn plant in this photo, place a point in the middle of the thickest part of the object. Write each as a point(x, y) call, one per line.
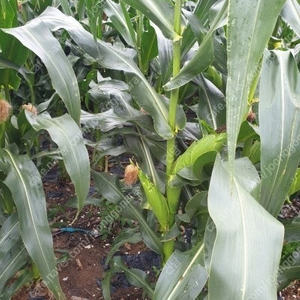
point(26, 247)
point(221, 177)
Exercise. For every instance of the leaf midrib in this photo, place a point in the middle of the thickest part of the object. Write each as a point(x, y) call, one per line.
point(245, 246)
point(9, 232)
point(29, 209)
point(21, 252)
point(189, 266)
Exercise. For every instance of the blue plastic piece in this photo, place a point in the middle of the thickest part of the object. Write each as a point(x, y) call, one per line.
point(72, 229)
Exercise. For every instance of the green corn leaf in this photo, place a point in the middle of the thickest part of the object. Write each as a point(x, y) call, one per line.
point(14, 260)
point(160, 12)
point(127, 236)
point(197, 204)
point(115, 13)
point(6, 199)
point(165, 54)
point(289, 269)
point(40, 40)
point(10, 291)
point(66, 7)
point(109, 187)
point(128, 22)
point(81, 6)
point(67, 135)
point(182, 276)
point(11, 49)
point(157, 201)
point(24, 181)
point(246, 21)
point(2, 218)
point(40, 5)
point(212, 106)
point(94, 11)
point(9, 234)
point(106, 287)
point(135, 277)
point(202, 59)
point(197, 149)
point(8, 15)
point(148, 46)
point(295, 187)
point(292, 230)
point(111, 58)
point(279, 112)
point(291, 14)
point(200, 15)
point(4, 64)
point(248, 243)
point(104, 121)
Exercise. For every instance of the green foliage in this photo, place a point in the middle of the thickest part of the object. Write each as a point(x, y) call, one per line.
point(284, 108)
point(252, 218)
point(26, 238)
point(11, 49)
point(159, 81)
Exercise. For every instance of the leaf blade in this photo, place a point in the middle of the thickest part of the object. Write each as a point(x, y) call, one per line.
point(237, 262)
point(67, 135)
point(31, 205)
point(110, 188)
point(291, 13)
point(9, 234)
point(40, 40)
point(245, 23)
point(12, 262)
point(182, 277)
point(116, 15)
point(203, 57)
point(111, 58)
point(158, 11)
point(281, 114)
